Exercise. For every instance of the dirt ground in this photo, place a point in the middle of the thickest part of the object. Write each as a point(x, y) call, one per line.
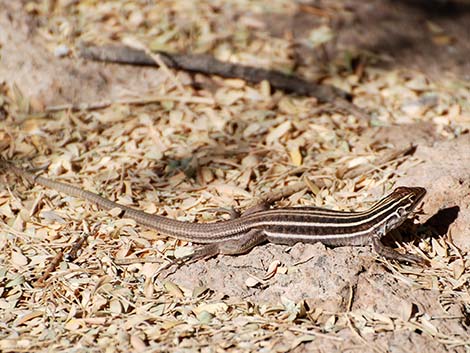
point(204, 143)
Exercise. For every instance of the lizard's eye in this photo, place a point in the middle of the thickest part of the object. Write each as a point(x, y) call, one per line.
point(401, 211)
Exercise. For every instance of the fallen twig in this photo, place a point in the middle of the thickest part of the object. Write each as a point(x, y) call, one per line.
point(208, 65)
point(54, 263)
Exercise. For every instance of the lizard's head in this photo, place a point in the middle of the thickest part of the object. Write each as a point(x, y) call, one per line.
point(408, 197)
point(403, 201)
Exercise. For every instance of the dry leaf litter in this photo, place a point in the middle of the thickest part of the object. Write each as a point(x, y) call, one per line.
point(183, 155)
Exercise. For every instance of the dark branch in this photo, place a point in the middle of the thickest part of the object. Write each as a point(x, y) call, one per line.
point(208, 65)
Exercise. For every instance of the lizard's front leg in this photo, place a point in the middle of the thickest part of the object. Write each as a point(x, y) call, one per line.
point(391, 254)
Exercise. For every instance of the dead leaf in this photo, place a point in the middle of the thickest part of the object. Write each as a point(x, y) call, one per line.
point(19, 259)
point(26, 317)
point(275, 134)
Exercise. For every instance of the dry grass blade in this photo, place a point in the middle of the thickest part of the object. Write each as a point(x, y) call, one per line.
point(130, 101)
